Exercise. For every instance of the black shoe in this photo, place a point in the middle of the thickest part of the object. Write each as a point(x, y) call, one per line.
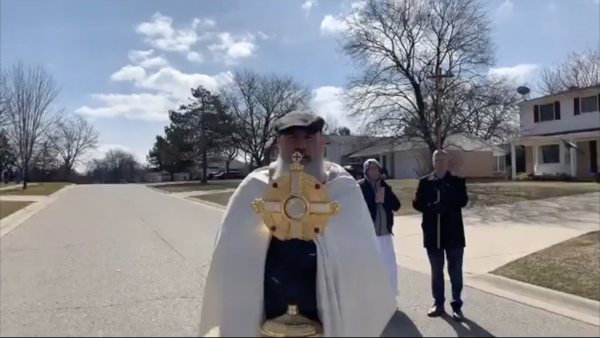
point(436, 311)
point(458, 315)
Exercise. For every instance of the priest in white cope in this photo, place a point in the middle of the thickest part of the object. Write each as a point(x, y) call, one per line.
point(337, 279)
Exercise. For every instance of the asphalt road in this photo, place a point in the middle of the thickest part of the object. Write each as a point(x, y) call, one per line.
point(126, 260)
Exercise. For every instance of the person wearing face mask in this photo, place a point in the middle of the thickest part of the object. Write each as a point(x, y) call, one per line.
point(382, 203)
point(440, 198)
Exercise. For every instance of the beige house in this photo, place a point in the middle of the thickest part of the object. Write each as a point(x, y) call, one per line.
point(560, 134)
point(470, 157)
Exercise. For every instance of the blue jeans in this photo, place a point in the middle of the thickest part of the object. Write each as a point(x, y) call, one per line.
point(437, 258)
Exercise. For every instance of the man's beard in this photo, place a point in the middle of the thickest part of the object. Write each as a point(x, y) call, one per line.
point(314, 167)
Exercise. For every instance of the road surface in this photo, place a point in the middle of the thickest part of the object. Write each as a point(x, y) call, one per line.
point(112, 260)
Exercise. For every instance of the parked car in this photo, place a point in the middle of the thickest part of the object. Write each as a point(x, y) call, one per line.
point(355, 169)
point(231, 175)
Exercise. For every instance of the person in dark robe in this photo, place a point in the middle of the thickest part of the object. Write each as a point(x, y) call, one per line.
point(443, 194)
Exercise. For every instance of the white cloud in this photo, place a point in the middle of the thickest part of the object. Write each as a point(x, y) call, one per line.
point(161, 85)
point(143, 106)
point(231, 48)
point(308, 5)
point(170, 87)
point(263, 36)
point(505, 10)
point(160, 34)
point(146, 58)
point(333, 25)
point(194, 56)
point(129, 73)
point(327, 100)
point(520, 73)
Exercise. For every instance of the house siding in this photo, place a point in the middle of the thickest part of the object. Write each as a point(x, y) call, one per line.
point(568, 120)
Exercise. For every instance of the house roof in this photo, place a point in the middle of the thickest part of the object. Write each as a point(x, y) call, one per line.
point(453, 142)
point(595, 89)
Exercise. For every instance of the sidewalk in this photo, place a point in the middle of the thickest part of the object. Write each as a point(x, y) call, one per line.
point(15, 186)
point(500, 234)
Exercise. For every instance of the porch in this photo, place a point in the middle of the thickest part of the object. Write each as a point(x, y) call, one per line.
point(574, 154)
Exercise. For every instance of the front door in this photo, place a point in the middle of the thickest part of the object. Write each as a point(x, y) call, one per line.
point(594, 156)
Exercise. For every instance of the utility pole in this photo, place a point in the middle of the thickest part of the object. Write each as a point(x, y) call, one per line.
point(439, 90)
point(438, 134)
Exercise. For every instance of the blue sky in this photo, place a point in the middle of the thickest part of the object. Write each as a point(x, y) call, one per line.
point(98, 50)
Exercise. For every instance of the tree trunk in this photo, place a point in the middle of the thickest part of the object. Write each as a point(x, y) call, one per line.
point(204, 165)
point(25, 176)
point(227, 166)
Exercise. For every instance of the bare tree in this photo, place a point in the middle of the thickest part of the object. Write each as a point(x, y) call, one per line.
point(229, 154)
point(30, 93)
point(71, 139)
point(3, 100)
point(331, 124)
point(579, 69)
point(399, 45)
point(256, 101)
point(117, 166)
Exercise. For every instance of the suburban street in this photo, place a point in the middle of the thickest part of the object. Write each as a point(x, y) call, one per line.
point(112, 260)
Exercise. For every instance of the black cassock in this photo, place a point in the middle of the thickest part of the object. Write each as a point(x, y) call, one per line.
point(291, 278)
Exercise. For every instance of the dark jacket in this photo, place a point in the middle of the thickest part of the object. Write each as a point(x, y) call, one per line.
point(453, 191)
point(390, 202)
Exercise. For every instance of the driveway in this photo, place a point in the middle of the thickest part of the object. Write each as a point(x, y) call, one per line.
point(499, 234)
point(109, 260)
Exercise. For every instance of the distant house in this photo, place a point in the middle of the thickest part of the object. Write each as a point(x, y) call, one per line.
point(337, 147)
point(470, 157)
point(560, 133)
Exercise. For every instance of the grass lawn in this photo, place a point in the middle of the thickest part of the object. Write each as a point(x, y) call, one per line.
point(2, 184)
point(9, 207)
point(500, 192)
point(480, 194)
point(219, 198)
point(571, 266)
point(45, 189)
point(196, 186)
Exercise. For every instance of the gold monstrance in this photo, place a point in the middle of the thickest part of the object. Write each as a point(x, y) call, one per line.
point(296, 206)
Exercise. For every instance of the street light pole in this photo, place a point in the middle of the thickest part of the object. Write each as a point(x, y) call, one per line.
point(438, 106)
point(438, 135)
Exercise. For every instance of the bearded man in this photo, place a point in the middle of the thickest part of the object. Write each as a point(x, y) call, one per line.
point(338, 279)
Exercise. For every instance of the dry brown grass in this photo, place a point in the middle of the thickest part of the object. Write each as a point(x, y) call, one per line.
point(10, 207)
point(39, 189)
point(572, 266)
point(219, 198)
point(196, 186)
point(480, 194)
point(493, 193)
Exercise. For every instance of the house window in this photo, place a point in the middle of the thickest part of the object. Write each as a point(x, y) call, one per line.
point(589, 104)
point(500, 166)
point(547, 112)
point(550, 154)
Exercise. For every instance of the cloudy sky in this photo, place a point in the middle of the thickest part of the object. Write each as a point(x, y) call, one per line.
point(123, 64)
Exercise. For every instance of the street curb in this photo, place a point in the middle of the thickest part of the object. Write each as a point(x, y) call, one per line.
point(158, 190)
point(13, 221)
point(205, 203)
point(575, 307)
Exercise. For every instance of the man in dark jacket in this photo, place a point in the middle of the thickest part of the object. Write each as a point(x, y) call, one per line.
point(440, 197)
point(382, 202)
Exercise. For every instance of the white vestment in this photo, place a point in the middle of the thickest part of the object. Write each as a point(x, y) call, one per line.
point(353, 291)
point(388, 254)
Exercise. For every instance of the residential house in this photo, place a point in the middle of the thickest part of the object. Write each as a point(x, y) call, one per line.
point(560, 133)
point(470, 157)
point(337, 147)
